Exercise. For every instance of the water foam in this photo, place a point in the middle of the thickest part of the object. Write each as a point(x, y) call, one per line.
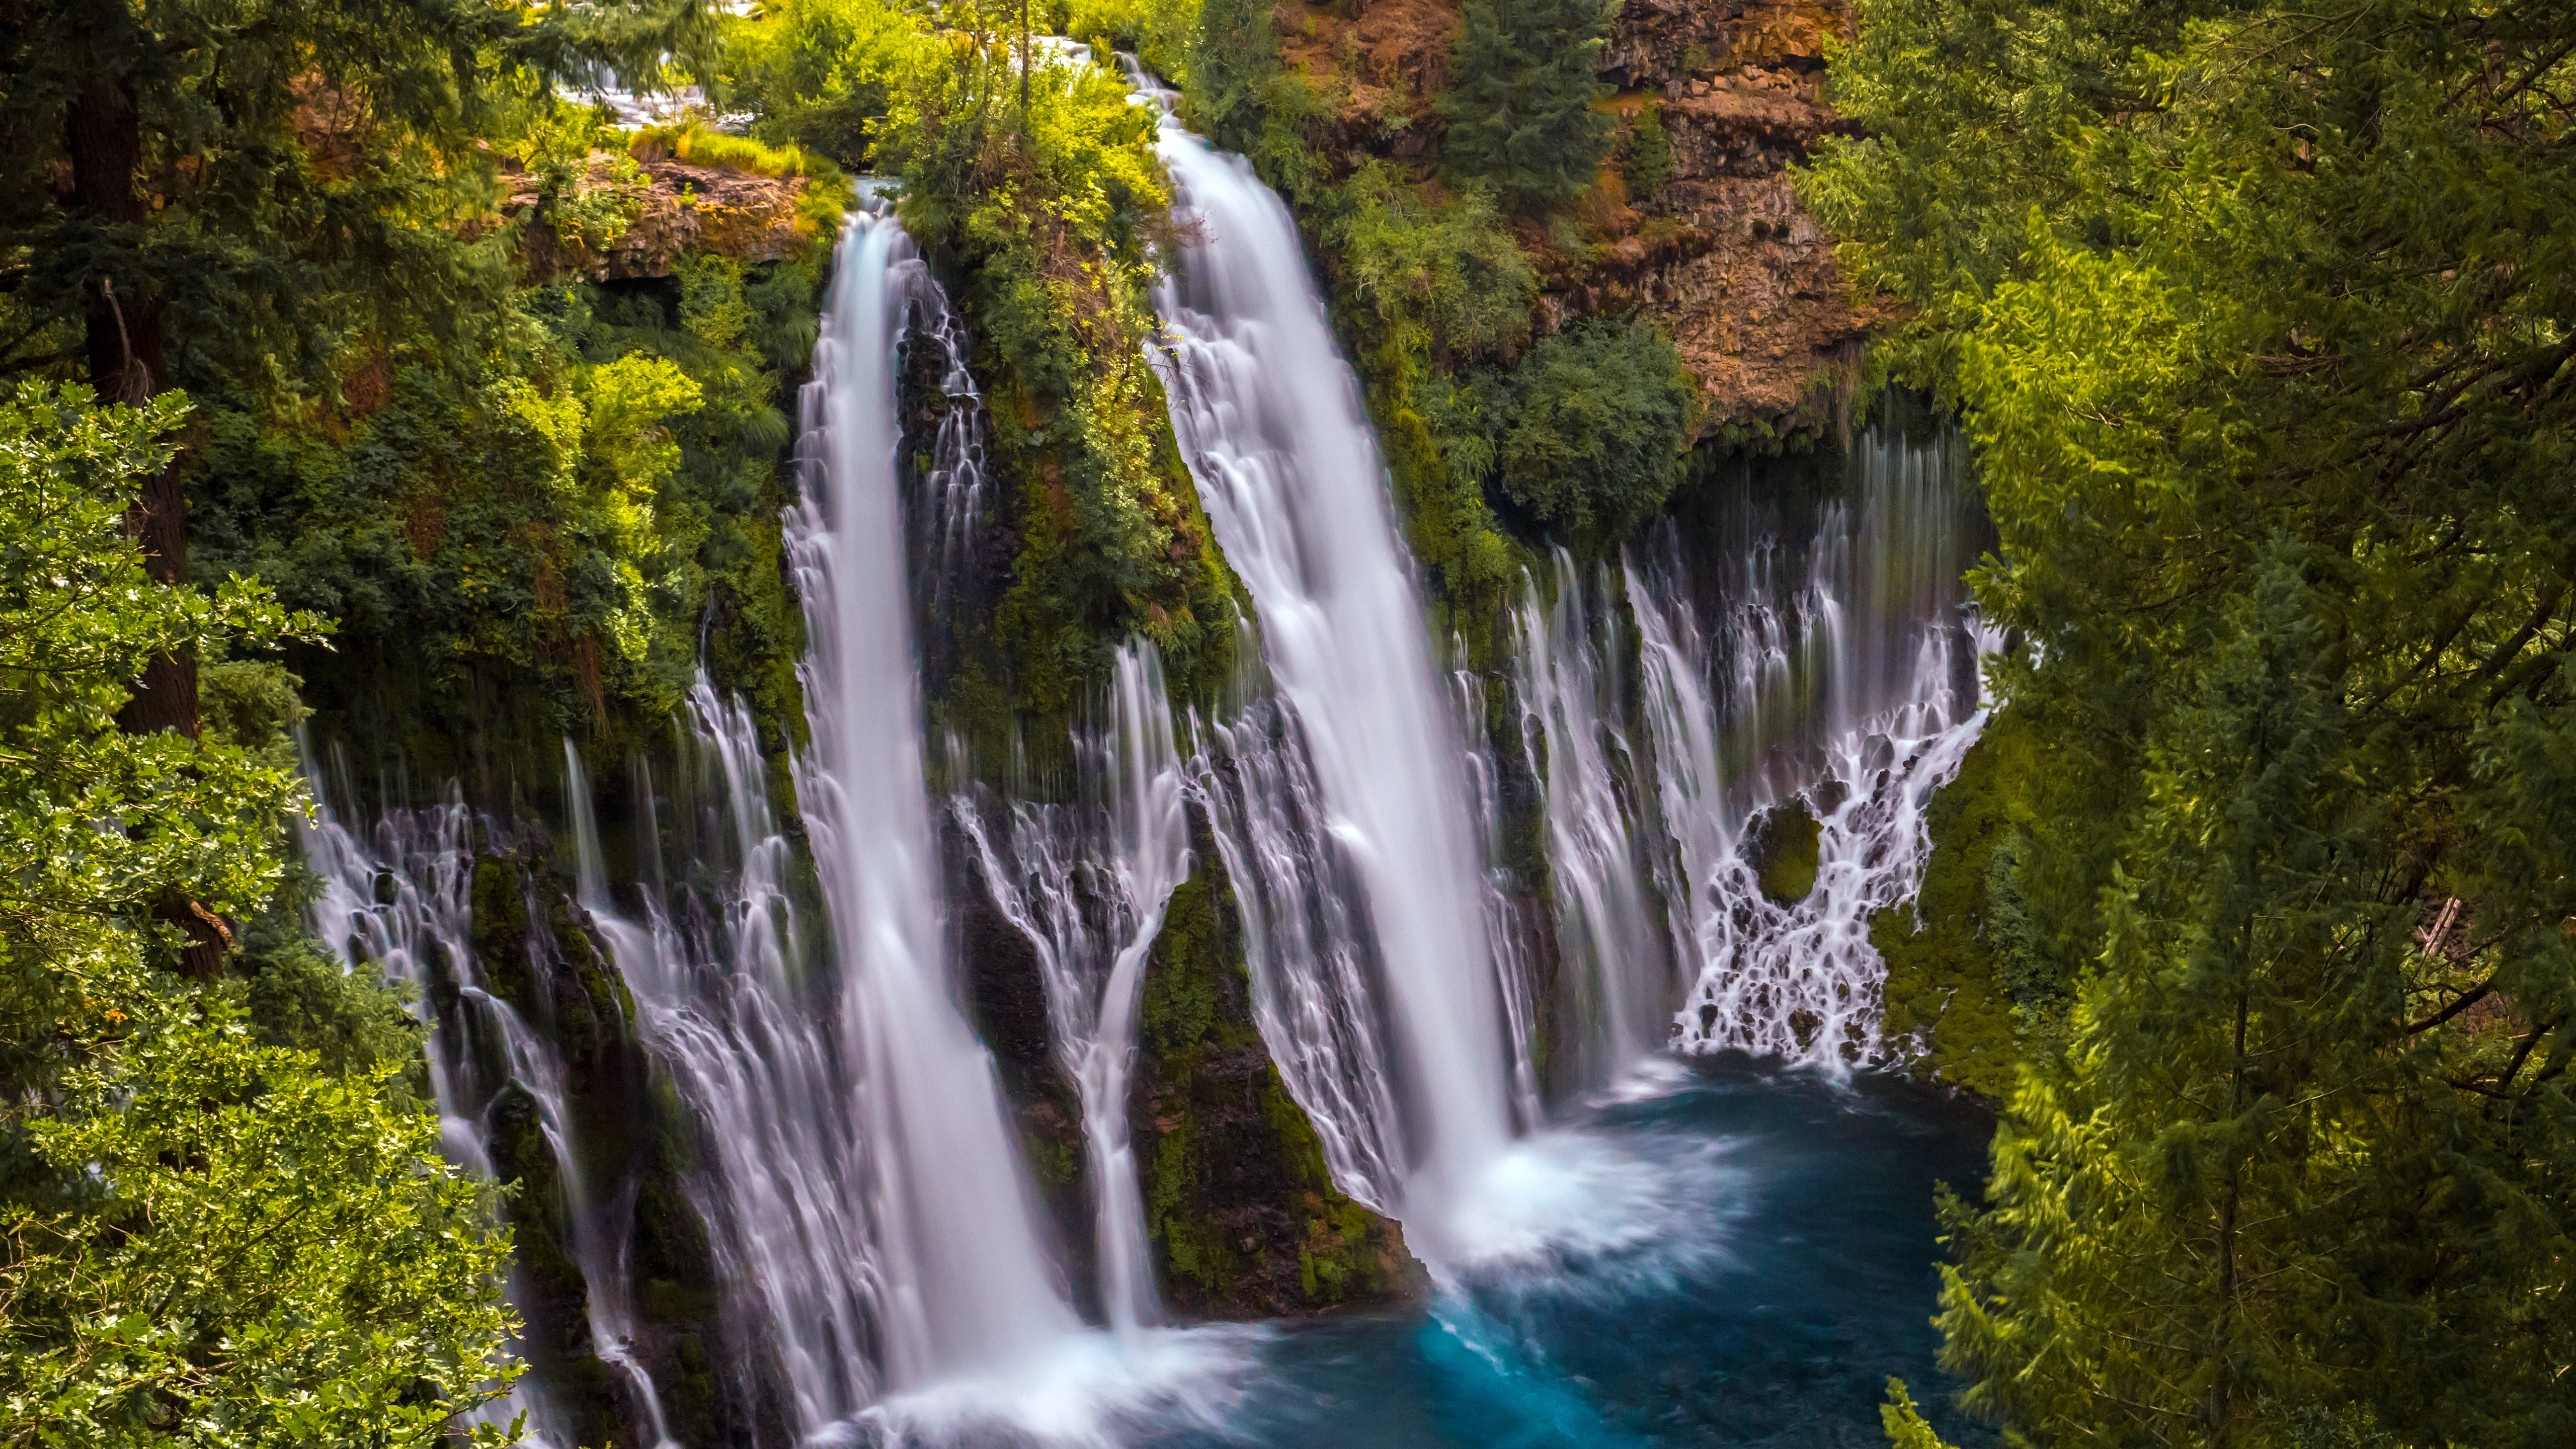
point(1082, 1391)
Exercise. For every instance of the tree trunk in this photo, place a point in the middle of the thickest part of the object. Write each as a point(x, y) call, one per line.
point(104, 136)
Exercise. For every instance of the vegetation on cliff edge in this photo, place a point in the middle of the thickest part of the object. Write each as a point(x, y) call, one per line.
point(2257, 316)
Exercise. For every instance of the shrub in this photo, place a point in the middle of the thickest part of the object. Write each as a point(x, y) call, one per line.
point(819, 73)
point(1600, 414)
point(1447, 277)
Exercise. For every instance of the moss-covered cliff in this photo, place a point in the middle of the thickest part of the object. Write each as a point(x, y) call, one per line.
point(635, 1147)
point(1962, 984)
point(1241, 1211)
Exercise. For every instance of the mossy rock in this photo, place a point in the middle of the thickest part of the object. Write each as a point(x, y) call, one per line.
point(1783, 848)
point(1240, 1207)
point(1948, 986)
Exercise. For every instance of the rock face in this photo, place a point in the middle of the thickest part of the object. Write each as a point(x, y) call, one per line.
point(678, 209)
point(1755, 299)
point(1723, 256)
point(1656, 42)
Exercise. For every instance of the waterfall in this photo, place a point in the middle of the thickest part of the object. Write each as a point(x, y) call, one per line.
point(1845, 680)
point(966, 1285)
point(723, 997)
point(1086, 882)
point(1270, 420)
point(1570, 670)
point(1305, 945)
point(401, 904)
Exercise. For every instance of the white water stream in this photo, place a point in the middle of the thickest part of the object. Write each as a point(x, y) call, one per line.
point(1269, 419)
point(966, 1285)
point(401, 903)
point(1086, 881)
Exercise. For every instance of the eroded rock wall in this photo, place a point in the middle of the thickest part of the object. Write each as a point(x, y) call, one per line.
point(1723, 256)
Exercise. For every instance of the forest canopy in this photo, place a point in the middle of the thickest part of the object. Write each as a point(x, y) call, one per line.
point(2259, 318)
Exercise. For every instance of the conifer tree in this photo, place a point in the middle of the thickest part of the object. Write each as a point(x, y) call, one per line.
point(1520, 111)
point(2257, 320)
point(1648, 166)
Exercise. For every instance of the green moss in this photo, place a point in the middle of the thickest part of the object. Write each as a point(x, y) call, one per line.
point(1784, 847)
point(500, 930)
point(1239, 1203)
point(1948, 953)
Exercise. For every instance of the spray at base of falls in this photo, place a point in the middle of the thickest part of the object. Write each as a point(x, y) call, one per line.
point(1087, 882)
point(1269, 418)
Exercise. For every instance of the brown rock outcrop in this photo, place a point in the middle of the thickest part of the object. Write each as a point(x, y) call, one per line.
point(678, 210)
point(1654, 42)
point(1724, 257)
point(1763, 315)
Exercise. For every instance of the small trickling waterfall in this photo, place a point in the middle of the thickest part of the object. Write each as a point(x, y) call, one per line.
point(1835, 669)
point(718, 969)
point(1086, 881)
point(1306, 941)
point(1269, 418)
point(965, 1284)
point(1574, 680)
point(400, 902)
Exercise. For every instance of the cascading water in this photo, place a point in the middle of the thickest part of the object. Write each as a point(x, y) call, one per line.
point(1306, 946)
point(1269, 418)
point(882, 1269)
point(401, 904)
point(1086, 882)
point(966, 1285)
point(1570, 665)
point(723, 999)
point(1845, 680)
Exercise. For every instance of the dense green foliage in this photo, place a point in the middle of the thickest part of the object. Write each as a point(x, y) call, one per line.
point(820, 73)
point(203, 1240)
point(1520, 112)
point(2259, 320)
point(1052, 211)
point(276, 1256)
point(575, 508)
point(102, 824)
point(294, 156)
point(1422, 286)
point(1598, 416)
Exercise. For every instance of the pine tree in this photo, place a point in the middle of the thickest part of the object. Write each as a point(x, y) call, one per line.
point(2257, 325)
point(1648, 167)
point(1520, 114)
